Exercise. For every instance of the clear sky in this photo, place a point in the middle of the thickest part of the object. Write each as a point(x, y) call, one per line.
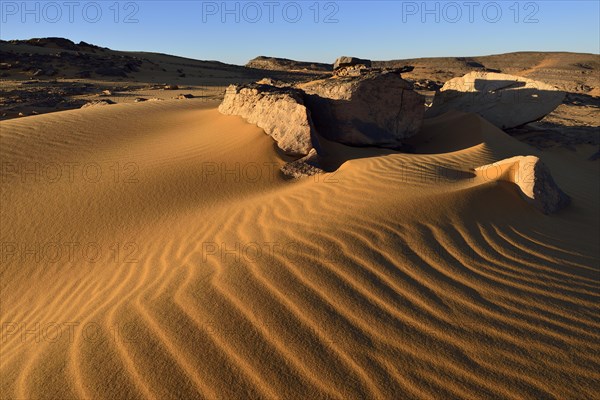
point(236, 31)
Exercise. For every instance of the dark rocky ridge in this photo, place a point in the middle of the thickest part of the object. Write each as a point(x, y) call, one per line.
point(284, 64)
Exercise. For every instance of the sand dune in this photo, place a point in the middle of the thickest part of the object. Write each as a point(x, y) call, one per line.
point(175, 262)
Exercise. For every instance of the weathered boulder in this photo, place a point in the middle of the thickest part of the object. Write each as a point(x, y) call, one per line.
point(345, 61)
point(374, 109)
point(280, 111)
point(506, 101)
point(534, 180)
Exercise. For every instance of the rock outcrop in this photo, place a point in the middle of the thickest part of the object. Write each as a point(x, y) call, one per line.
point(369, 108)
point(373, 109)
point(506, 101)
point(280, 111)
point(534, 180)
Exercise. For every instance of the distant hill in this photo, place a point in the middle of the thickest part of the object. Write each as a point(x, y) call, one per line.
point(284, 64)
point(572, 72)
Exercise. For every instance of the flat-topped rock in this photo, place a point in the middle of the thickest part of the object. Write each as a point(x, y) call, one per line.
point(506, 101)
point(534, 180)
point(279, 111)
point(345, 61)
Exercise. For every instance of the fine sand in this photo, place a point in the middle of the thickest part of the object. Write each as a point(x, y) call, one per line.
point(153, 250)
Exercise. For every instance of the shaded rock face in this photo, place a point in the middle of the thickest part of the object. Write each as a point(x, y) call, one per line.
point(506, 101)
point(280, 111)
point(375, 109)
point(534, 180)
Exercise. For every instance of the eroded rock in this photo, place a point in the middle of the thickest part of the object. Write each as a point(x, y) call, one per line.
point(506, 101)
point(375, 109)
point(345, 61)
point(534, 180)
point(280, 111)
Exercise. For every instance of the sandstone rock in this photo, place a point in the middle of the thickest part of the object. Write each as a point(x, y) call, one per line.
point(184, 96)
point(345, 61)
point(375, 109)
point(534, 180)
point(279, 111)
point(506, 101)
point(170, 87)
point(106, 93)
point(303, 167)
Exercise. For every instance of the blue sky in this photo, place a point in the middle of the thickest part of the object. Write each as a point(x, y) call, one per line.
point(236, 31)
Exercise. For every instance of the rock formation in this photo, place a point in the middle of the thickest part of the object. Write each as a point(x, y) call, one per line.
point(343, 62)
point(534, 180)
point(506, 101)
point(367, 107)
point(373, 109)
point(280, 111)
